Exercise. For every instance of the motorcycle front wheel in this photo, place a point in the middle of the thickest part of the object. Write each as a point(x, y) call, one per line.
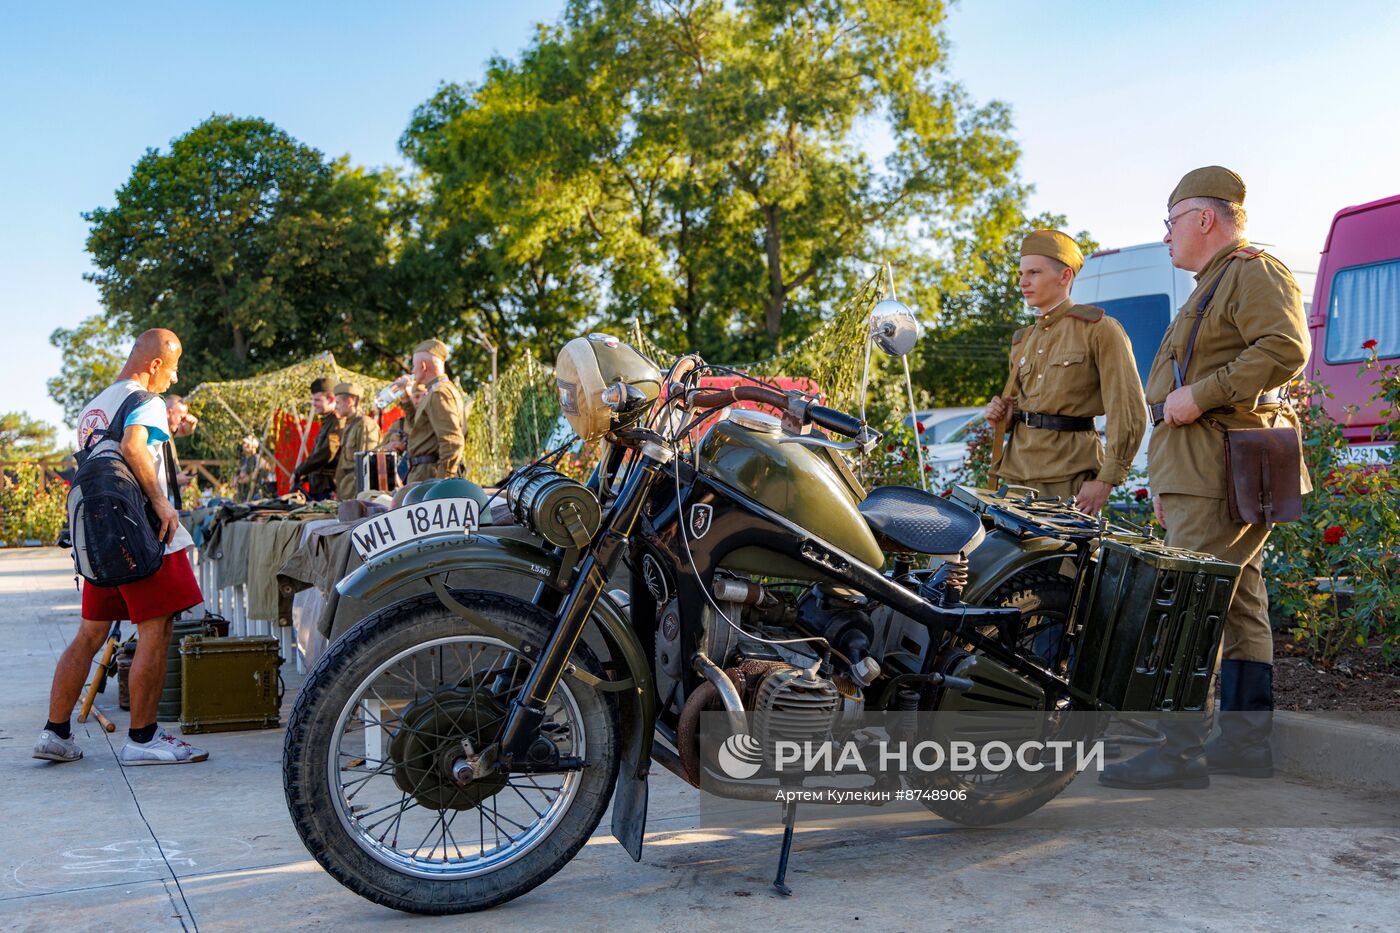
point(373, 735)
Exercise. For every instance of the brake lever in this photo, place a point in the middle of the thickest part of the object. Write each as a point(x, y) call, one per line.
point(864, 443)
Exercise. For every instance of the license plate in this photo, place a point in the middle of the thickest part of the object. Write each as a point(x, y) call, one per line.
point(429, 519)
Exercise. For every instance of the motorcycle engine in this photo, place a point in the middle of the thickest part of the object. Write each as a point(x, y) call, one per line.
point(787, 703)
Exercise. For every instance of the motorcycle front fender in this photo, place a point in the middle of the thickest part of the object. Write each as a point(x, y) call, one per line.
point(1002, 555)
point(432, 559)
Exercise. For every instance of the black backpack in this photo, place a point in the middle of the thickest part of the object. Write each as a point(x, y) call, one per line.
point(116, 538)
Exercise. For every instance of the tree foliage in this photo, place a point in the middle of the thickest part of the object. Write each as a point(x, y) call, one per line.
point(93, 353)
point(248, 244)
point(702, 166)
point(25, 438)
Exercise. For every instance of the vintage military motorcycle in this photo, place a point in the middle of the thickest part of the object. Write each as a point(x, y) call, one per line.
point(456, 748)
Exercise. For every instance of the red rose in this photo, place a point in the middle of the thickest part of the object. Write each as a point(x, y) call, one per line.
point(928, 468)
point(889, 449)
point(1333, 534)
point(921, 424)
point(1140, 494)
point(1369, 345)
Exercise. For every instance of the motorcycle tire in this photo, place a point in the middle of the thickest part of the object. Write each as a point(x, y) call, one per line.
point(332, 829)
point(1046, 597)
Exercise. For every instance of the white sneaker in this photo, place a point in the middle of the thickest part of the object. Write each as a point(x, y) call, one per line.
point(52, 748)
point(163, 749)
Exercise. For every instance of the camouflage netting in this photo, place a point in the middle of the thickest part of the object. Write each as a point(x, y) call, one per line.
point(831, 357)
point(227, 411)
point(514, 421)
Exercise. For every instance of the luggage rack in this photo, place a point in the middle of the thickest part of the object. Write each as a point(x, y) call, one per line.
point(1019, 510)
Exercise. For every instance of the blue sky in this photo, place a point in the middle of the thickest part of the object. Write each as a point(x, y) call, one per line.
point(1112, 101)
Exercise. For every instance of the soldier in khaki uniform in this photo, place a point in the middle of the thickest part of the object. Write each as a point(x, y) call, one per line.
point(438, 429)
point(361, 433)
point(318, 469)
point(1251, 340)
point(1072, 364)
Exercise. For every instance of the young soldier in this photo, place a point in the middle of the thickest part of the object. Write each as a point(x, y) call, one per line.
point(1072, 364)
point(360, 433)
point(1250, 339)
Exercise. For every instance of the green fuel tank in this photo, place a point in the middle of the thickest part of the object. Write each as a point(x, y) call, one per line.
point(801, 483)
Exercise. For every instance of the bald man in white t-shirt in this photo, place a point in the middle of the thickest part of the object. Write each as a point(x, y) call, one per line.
point(151, 602)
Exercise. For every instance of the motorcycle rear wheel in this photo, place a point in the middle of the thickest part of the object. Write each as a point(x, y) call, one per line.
point(363, 759)
point(1045, 599)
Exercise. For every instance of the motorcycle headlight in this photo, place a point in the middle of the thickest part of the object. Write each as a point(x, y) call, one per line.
point(604, 384)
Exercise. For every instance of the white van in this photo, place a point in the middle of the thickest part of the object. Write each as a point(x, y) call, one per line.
point(1140, 288)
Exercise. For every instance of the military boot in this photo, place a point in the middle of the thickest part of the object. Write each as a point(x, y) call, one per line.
point(1177, 762)
point(1245, 719)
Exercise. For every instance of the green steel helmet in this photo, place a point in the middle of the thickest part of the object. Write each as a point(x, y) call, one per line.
point(418, 491)
point(456, 488)
point(604, 384)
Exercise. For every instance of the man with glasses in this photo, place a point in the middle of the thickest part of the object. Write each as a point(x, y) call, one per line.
point(1073, 364)
point(1239, 339)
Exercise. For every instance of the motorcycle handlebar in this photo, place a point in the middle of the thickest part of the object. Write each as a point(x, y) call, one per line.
point(834, 420)
point(828, 418)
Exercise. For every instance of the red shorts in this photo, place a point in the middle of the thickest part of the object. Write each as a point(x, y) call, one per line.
point(169, 590)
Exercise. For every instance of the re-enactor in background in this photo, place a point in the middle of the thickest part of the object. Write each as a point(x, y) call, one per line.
point(149, 603)
point(438, 430)
point(1252, 339)
point(182, 424)
point(257, 477)
point(318, 469)
point(1072, 364)
point(360, 433)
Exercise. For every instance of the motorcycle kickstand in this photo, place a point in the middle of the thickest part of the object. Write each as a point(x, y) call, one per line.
point(789, 818)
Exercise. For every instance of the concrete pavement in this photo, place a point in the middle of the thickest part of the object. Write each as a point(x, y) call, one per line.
point(88, 846)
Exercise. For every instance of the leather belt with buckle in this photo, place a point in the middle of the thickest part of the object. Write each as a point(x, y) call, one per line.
point(1034, 419)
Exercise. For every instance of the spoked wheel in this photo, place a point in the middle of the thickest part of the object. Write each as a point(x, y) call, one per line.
point(987, 798)
point(381, 724)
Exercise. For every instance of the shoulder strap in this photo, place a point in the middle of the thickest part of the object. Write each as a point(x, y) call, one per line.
point(1184, 366)
point(117, 426)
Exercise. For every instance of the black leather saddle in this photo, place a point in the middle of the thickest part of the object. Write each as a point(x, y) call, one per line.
point(914, 520)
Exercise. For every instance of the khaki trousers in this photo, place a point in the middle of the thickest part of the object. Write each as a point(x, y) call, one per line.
point(1201, 524)
point(1063, 488)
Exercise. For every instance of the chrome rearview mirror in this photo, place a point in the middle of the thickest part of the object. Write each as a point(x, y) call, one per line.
point(893, 327)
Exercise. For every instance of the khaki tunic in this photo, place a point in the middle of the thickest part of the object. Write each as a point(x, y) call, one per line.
point(1253, 338)
point(319, 466)
point(361, 433)
point(437, 434)
point(1074, 361)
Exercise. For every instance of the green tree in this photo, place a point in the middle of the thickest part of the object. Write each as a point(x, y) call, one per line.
point(93, 354)
point(26, 438)
point(250, 245)
point(702, 165)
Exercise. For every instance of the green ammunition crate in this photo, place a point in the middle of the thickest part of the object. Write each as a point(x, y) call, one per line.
point(229, 684)
point(1152, 626)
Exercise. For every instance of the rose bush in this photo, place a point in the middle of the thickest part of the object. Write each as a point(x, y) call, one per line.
point(30, 509)
point(1347, 543)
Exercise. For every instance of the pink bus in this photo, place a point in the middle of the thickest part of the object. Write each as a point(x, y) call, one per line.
point(1356, 300)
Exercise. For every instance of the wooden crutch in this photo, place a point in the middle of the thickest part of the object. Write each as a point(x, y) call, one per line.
point(99, 679)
